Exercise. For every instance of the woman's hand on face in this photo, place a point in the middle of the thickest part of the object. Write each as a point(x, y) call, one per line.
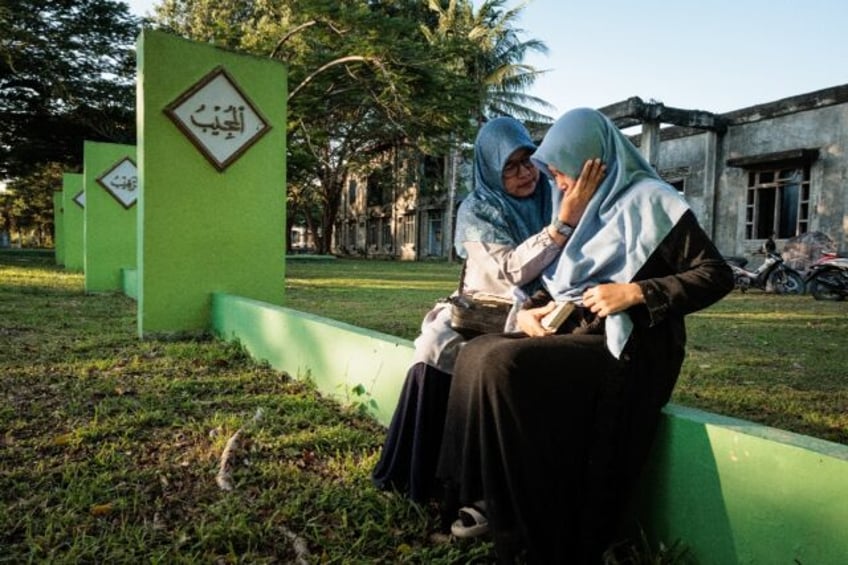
point(606, 299)
point(577, 197)
point(530, 320)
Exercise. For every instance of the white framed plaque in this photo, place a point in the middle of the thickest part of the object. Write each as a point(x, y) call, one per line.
point(121, 181)
point(218, 118)
point(79, 199)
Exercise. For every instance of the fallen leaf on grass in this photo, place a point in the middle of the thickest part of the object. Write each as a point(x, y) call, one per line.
point(63, 439)
point(101, 509)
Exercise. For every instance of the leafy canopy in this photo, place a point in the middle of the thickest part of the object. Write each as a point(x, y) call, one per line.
point(67, 70)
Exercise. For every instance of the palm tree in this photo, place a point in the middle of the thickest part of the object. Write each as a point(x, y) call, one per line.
point(493, 55)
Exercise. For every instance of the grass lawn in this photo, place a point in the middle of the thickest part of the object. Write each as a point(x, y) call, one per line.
point(776, 360)
point(111, 447)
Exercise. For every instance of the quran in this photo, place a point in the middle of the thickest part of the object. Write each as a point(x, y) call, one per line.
point(554, 319)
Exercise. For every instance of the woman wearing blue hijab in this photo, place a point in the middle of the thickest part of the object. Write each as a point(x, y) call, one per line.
point(504, 234)
point(551, 429)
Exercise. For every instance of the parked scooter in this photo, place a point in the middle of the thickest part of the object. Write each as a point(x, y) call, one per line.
point(772, 276)
point(827, 278)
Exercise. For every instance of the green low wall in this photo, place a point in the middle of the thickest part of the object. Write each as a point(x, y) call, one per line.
point(339, 358)
point(739, 492)
point(129, 282)
point(732, 491)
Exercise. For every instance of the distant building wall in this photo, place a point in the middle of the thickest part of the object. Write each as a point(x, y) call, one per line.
point(399, 210)
point(805, 134)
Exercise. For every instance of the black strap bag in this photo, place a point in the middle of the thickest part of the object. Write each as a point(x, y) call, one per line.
point(477, 314)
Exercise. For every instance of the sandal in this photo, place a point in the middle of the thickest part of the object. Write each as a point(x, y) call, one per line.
point(471, 523)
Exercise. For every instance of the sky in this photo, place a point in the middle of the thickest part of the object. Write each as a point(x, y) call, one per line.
point(713, 55)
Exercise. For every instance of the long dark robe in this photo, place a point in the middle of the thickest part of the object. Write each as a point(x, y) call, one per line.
point(552, 432)
point(410, 453)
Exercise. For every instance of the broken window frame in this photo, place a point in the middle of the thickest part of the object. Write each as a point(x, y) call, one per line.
point(770, 177)
point(769, 193)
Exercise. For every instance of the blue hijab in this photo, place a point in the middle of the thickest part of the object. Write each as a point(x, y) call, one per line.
point(489, 214)
point(632, 211)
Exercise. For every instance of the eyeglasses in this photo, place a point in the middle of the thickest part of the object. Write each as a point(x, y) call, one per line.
point(513, 168)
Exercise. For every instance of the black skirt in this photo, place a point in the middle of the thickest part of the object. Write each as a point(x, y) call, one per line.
point(543, 430)
point(408, 460)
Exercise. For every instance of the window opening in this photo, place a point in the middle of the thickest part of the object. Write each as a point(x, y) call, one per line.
point(351, 194)
point(434, 239)
point(387, 233)
point(407, 229)
point(777, 202)
point(372, 233)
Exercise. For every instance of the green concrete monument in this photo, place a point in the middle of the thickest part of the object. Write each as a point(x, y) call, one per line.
point(73, 202)
point(111, 191)
point(58, 228)
point(211, 156)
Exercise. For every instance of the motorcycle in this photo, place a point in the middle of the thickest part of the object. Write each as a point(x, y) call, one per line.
point(827, 278)
point(772, 276)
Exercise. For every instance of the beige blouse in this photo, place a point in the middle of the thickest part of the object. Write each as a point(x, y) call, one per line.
point(497, 269)
point(492, 269)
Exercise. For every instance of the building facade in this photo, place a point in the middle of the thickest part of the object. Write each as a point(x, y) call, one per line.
point(777, 169)
point(401, 210)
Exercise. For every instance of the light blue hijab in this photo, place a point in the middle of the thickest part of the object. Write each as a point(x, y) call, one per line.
point(631, 213)
point(489, 214)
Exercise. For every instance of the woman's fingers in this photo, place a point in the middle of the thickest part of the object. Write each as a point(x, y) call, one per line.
point(590, 177)
point(609, 298)
point(530, 320)
point(577, 198)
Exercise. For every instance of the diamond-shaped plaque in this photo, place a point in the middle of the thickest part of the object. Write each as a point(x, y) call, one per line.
point(79, 199)
point(218, 118)
point(121, 181)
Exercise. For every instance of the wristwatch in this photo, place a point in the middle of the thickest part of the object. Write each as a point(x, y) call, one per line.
point(562, 228)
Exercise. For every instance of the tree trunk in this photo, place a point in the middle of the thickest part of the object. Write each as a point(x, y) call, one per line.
point(314, 231)
point(449, 228)
point(332, 187)
point(288, 233)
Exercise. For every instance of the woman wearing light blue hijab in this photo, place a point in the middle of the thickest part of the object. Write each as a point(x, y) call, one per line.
point(551, 429)
point(504, 234)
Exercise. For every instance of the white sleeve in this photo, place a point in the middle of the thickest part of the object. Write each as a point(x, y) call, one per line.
point(498, 268)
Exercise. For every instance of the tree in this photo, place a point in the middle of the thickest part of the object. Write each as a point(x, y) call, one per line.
point(27, 205)
point(66, 74)
point(495, 59)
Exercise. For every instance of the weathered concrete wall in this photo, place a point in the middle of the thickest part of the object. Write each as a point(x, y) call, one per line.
point(686, 159)
point(817, 120)
point(822, 128)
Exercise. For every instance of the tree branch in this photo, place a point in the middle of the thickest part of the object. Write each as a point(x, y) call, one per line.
point(289, 34)
point(333, 63)
point(302, 26)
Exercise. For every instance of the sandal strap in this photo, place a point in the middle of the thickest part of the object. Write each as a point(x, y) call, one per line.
point(478, 517)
